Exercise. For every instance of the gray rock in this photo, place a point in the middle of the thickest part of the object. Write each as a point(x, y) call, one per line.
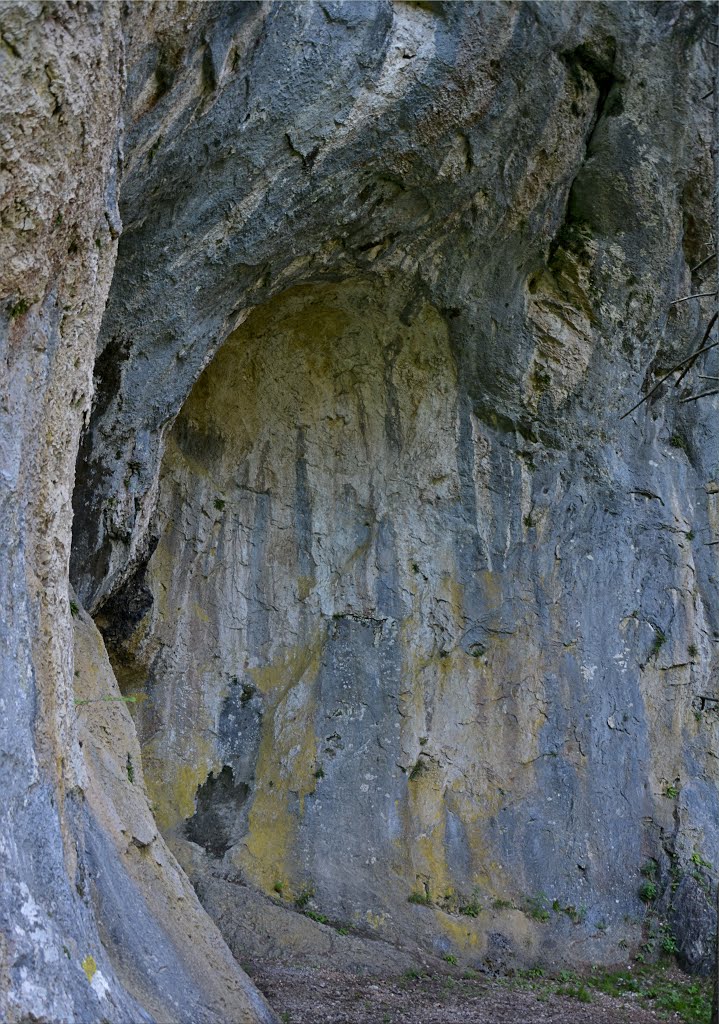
point(357, 509)
point(420, 626)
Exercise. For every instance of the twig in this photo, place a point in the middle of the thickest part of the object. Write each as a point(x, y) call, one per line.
point(696, 295)
point(700, 265)
point(668, 375)
point(707, 332)
point(704, 394)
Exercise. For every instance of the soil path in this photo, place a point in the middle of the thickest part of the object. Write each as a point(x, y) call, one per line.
point(301, 995)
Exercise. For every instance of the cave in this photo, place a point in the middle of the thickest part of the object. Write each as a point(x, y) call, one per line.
point(360, 507)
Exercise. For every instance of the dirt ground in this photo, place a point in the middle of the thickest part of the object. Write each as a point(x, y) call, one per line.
point(301, 995)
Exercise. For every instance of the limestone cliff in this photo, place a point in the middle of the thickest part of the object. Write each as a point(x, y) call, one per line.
point(415, 627)
point(97, 921)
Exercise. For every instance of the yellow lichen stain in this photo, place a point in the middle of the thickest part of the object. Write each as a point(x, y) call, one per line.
point(305, 585)
point(465, 933)
point(452, 591)
point(200, 613)
point(89, 967)
point(172, 788)
point(375, 921)
point(286, 764)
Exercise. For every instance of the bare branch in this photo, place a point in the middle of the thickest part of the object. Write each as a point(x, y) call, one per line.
point(700, 265)
point(707, 332)
point(704, 394)
point(674, 369)
point(696, 295)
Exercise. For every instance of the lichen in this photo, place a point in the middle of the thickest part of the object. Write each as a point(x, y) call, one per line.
point(89, 967)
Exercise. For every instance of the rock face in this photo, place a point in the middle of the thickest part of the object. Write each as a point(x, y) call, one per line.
point(94, 911)
point(416, 621)
point(416, 627)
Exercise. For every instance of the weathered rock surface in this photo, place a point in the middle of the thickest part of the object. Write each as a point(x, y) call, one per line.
point(94, 912)
point(418, 627)
point(411, 611)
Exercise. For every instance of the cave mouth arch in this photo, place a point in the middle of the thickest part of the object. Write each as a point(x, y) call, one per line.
point(302, 625)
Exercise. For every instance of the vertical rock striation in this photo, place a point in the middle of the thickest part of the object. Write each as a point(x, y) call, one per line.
point(411, 609)
point(411, 620)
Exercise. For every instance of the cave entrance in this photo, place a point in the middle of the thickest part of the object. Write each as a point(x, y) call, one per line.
point(301, 610)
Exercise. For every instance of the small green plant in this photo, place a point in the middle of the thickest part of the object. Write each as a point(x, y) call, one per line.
point(700, 862)
point(418, 770)
point(692, 650)
point(414, 974)
point(470, 909)
point(320, 773)
point(528, 522)
point(531, 972)
point(74, 609)
point(647, 892)
point(671, 791)
point(501, 904)
point(219, 504)
point(304, 898)
point(649, 869)
point(278, 887)
point(130, 769)
point(690, 535)
point(422, 899)
point(320, 918)
point(677, 441)
point(577, 915)
point(449, 958)
point(537, 907)
point(669, 944)
point(19, 308)
point(659, 640)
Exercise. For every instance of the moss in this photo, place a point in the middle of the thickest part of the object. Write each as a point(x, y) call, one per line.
point(19, 308)
point(422, 899)
point(677, 441)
